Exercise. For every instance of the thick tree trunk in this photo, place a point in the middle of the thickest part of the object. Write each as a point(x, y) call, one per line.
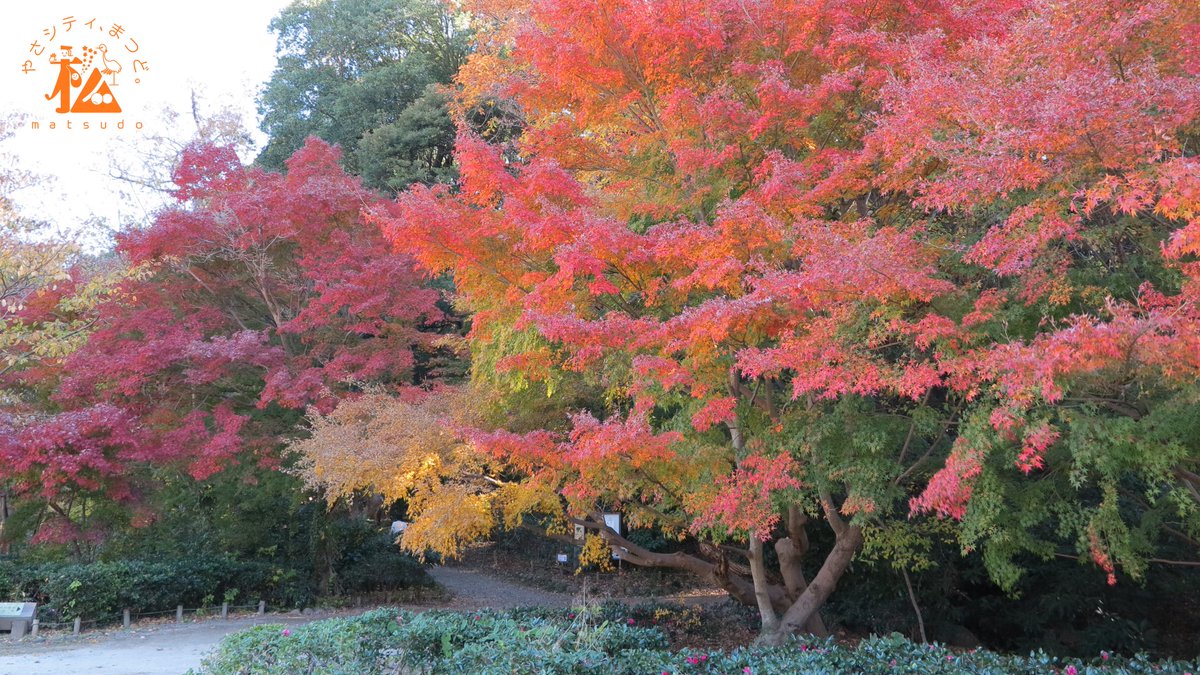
point(791, 611)
point(793, 578)
point(791, 551)
point(633, 554)
point(762, 593)
point(849, 540)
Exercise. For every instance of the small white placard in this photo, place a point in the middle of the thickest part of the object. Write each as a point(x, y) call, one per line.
point(613, 521)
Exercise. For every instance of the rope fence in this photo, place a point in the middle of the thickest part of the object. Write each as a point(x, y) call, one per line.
point(128, 617)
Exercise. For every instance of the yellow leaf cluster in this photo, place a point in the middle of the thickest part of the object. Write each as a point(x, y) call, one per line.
point(514, 500)
point(449, 518)
point(412, 449)
point(595, 552)
point(378, 443)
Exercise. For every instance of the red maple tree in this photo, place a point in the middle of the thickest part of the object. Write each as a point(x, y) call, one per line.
point(259, 292)
point(807, 251)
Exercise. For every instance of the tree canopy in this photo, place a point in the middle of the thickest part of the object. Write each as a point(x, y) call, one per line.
point(850, 263)
point(262, 292)
point(362, 74)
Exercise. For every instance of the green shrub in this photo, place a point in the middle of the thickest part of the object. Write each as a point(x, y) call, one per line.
point(372, 562)
point(101, 590)
point(8, 579)
point(551, 642)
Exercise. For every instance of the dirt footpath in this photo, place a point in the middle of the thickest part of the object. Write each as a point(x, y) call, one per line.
point(472, 589)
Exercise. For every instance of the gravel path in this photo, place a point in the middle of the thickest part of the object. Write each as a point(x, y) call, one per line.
point(474, 590)
point(147, 648)
point(168, 648)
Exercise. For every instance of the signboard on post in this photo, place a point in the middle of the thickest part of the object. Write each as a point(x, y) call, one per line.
point(613, 521)
point(580, 533)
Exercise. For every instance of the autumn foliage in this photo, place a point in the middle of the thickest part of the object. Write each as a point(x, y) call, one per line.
point(856, 261)
point(260, 291)
point(738, 269)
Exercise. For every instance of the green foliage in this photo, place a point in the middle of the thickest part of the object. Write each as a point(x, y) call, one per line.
point(1058, 605)
point(341, 646)
point(584, 641)
point(367, 560)
point(245, 512)
point(9, 579)
point(415, 148)
point(357, 73)
point(264, 515)
point(287, 554)
point(101, 590)
point(1120, 494)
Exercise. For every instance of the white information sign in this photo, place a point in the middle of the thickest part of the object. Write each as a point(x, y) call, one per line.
point(613, 521)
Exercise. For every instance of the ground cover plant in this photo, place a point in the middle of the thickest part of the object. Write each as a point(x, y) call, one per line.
point(611, 639)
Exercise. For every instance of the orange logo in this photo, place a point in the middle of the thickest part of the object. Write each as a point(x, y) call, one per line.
point(85, 62)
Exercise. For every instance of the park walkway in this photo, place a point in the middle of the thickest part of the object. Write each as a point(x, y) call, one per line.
point(168, 648)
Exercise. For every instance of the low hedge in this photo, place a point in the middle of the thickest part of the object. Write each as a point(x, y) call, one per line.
point(582, 641)
point(99, 591)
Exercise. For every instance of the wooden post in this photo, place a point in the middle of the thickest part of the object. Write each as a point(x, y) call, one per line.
point(224, 610)
point(179, 614)
point(77, 622)
point(33, 628)
point(262, 607)
point(125, 619)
